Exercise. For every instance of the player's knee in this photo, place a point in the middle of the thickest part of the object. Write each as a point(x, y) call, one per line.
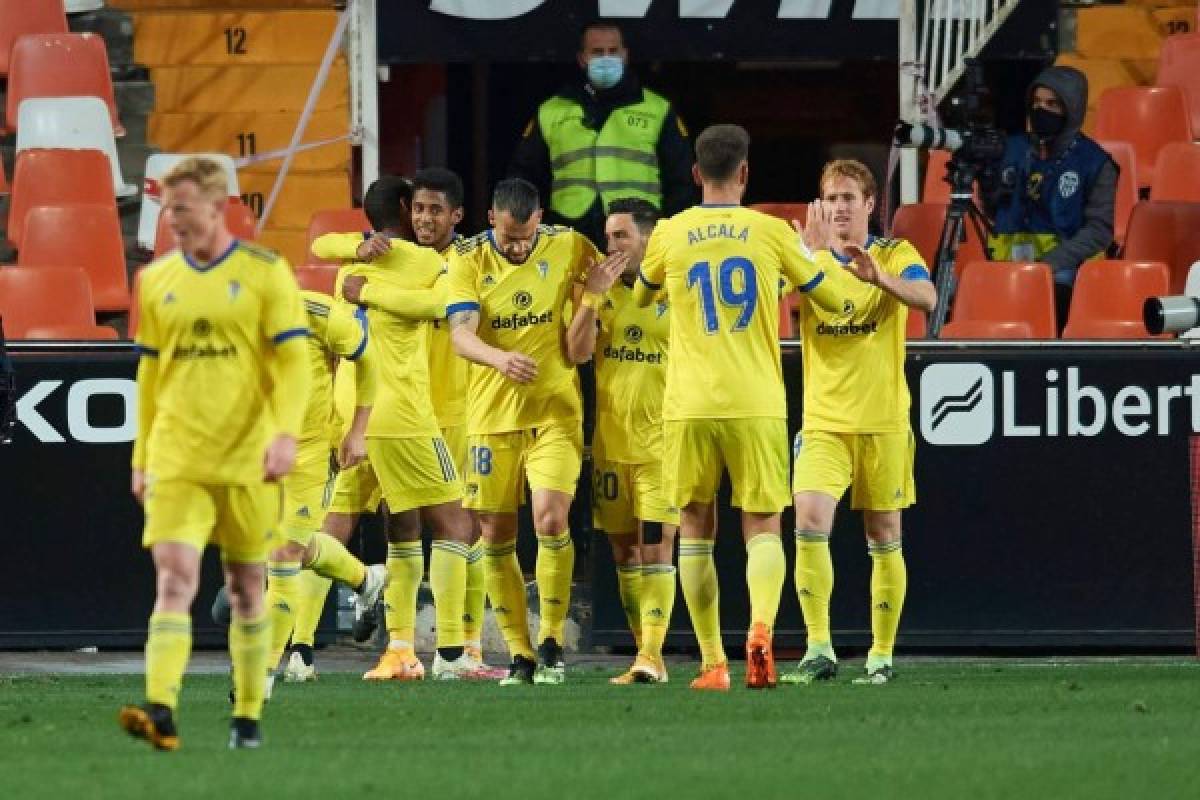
point(883, 529)
point(177, 587)
point(404, 527)
point(245, 597)
point(550, 521)
point(291, 551)
point(339, 526)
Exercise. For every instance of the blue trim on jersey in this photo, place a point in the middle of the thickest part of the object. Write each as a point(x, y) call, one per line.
point(846, 259)
point(814, 283)
point(645, 280)
point(454, 308)
point(215, 262)
point(360, 314)
point(290, 333)
point(143, 350)
point(914, 272)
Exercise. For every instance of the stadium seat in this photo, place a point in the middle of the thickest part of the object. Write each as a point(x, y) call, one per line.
point(157, 166)
point(57, 177)
point(44, 296)
point(935, 188)
point(1179, 65)
point(238, 217)
point(1166, 232)
point(1147, 117)
point(1108, 296)
point(1177, 174)
point(132, 323)
point(334, 220)
point(317, 277)
point(60, 65)
point(784, 211)
point(987, 329)
point(917, 326)
point(80, 235)
point(80, 123)
point(72, 332)
point(921, 224)
point(21, 17)
point(3, 179)
point(1127, 186)
point(787, 318)
point(1005, 291)
point(1192, 289)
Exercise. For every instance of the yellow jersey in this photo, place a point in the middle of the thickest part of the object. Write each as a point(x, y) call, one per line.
point(337, 331)
point(720, 267)
point(217, 399)
point(631, 373)
point(522, 307)
point(447, 371)
point(854, 360)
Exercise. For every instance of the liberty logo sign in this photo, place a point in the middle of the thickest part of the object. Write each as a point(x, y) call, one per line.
point(958, 404)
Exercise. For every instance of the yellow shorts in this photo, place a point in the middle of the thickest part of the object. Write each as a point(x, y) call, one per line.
point(408, 472)
point(306, 494)
point(242, 520)
point(878, 467)
point(623, 494)
point(499, 465)
point(753, 450)
point(456, 443)
point(355, 491)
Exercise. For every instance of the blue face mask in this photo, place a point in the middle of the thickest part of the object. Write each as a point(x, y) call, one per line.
point(605, 72)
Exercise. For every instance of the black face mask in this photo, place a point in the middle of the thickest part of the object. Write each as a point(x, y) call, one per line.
point(1046, 124)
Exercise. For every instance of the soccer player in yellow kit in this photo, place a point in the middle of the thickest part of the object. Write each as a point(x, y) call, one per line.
point(221, 391)
point(724, 406)
point(856, 431)
point(510, 291)
point(630, 345)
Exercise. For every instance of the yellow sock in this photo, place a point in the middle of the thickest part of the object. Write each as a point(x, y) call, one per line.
point(283, 592)
point(555, 568)
point(310, 602)
point(889, 582)
point(448, 579)
point(698, 576)
point(476, 596)
point(766, 569)
point(658, 600)
point(506, 588)
point(168, 646)
point(248, 642)
point(333, 560)
point(814, 586)
point(629, 585)
point(405, 565)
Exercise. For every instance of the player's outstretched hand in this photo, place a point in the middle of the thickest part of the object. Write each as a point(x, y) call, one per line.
point(517, 367)
point(280, 457)
point(352, 287)
point(815, 232)
point(137, 485)
point(862, 265)
point(604, 274)
point(373, 248)
point(353, 450)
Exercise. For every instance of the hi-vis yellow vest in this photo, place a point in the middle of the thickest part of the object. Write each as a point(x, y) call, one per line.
point(617, 161)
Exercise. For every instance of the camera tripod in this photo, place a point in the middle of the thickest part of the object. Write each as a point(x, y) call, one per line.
point(962, 207)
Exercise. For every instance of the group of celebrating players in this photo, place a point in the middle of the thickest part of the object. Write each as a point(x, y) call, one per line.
point(444, 372)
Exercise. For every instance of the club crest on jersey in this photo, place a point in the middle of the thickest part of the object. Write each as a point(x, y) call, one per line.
point(488, 280)
point(522, 300)
point(660, 309)
point(543, 268)
point(169, 298)
point(848, 308)
point(234, 289)
point(633, 334)
point(201, 327)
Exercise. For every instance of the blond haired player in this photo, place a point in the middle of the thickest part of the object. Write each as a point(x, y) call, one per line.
point(856, 432)
point(724, 407)
point(221, 392)
point(630, 345)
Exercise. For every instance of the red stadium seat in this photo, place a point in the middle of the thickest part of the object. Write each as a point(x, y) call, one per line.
point(32, 298)
point(317, 278)
point(787, 318)
point(1166, 232)
point(87, 236)
point(917, 325)
point(333, 220)
point(784, 211)
point(1147, 117)
point(55, 178)
point(1177, 174)
point(72, 332)
point(1179, 66)
point(21, 17)
point(239, 218)
point(59, 65)
point(987, 329)
point(1005, 291)
point(1108, 296)
point(921, 224)
point(936, 189)
point(1127, 186)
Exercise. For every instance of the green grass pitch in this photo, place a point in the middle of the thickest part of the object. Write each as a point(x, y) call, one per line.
point(960, 730)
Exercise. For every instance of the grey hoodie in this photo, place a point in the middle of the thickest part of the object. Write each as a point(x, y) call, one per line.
point(1096, 233)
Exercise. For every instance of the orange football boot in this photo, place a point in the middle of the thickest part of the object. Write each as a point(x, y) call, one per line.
point(396, 665)
point(713, 679)
point(760, 660)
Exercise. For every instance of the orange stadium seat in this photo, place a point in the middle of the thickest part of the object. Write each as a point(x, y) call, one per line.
point(1108, 296)
point(72, 332)
point(238, 217)
point(317, 277)
point(21, 17)
point(1127, 186)
point(44, 296)
point(784, 211)
point(1005, 291)
point(57, 177)
point(333, 220)
point(1179, 65)
point(1147, 117)
point(921, 224)
point(132, 324)
point(935, 188)
point(917, 326)
point(787, 318)
point(987, 329)
point(1177, 175)
point(85, 235)
point(1166, 232)
point(59, 65)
